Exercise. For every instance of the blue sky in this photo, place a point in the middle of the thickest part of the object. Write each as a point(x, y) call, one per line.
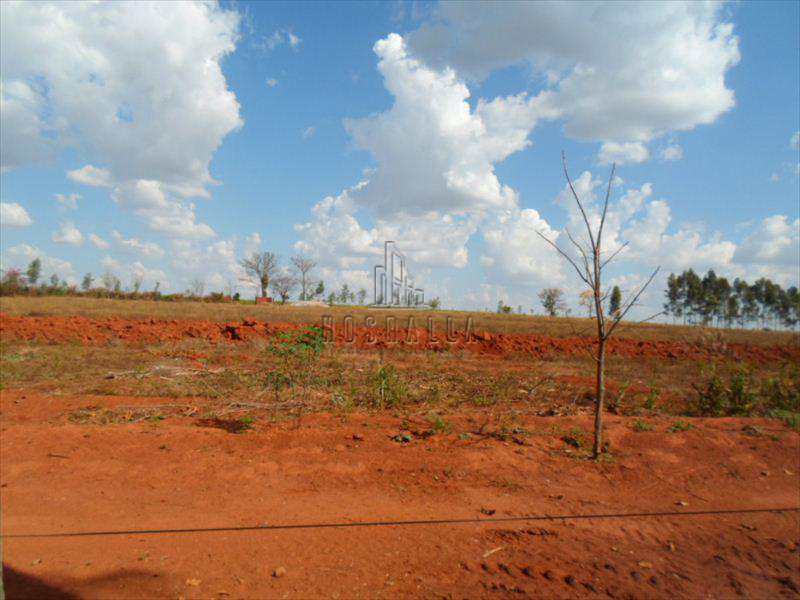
point(195, 134)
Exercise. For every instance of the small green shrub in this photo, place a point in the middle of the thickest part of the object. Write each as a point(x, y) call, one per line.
point(390, 389)
point(639, 425)
point(678, 426)
point(742, 393)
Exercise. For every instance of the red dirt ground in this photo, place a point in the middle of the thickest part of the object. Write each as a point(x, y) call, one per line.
point(58, 476)
point(88, 331)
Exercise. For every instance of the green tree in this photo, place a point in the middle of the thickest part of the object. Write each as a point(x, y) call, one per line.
point(344, 293)
point(320, 290)
point(86, 284)
point(34, 271)
point(552, 300)
point(615, 302)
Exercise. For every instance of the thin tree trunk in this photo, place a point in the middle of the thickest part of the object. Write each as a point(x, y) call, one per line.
point(600, 393)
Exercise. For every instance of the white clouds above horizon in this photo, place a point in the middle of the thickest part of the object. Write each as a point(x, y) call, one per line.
point(21, 255)
point(277, 38)
point(14, 215)
point(114, 77)
point(614, 75)
point(68, 234)
point(98, 242)
point(625, 81)
point(672, 152)
point(67, 201)
point(435, 158)
point(623, 153)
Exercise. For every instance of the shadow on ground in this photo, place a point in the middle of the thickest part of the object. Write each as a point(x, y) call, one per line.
point(120, 583)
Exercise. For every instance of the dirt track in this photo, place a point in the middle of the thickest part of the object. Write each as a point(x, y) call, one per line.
point(88, 331)
point(62, 477)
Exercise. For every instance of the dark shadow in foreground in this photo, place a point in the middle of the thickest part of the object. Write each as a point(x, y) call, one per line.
point(123, 583)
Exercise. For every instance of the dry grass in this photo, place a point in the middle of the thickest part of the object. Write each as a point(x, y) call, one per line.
point(556, 327)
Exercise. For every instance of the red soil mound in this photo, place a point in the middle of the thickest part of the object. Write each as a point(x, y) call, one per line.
point(88, 331)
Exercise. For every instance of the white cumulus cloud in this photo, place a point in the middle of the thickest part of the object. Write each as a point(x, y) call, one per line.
point(629, 73)
point(68, 201)
point(622, 153)
point(672, 152)
point(68, 234)
point(137, 87)
point(14, 215)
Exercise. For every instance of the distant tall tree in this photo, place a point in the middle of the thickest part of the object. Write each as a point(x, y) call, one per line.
point(344, 294)
point(303, 266)
point(137, 284)
point(615, 301)
point(331, 299)
point(260, 267)
point(54, 280)
point(320, 289)
point(731, 309)
point(86, 284)
point(34, 271)
point(435, 303)
point(674, 306)
point(362, 295)
point(552, 300)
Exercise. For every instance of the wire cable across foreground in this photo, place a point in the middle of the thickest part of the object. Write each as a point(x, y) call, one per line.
point(405, 523)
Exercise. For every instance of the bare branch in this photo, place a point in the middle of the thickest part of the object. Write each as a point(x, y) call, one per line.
point(610, 258)
point(630, 304)
point(578, 200)
point(567, 256)
point(583, 254)
point(605, 203)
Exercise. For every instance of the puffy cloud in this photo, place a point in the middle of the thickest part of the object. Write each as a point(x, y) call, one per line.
point(672, 152)
point(98, 242)
point(278, 38)
point(21, 139)
point(91, 175)
point(272, 82)
point(628, 74)
point(433, 151)
point(68, 234)
point(68, 201)
point(308, 132)
point(14, 215)
point(515, 251)
point(138, 84)
point(775, 241)
point(623, 153)
point(162, 211)
point(334, 235)
point(137, 247)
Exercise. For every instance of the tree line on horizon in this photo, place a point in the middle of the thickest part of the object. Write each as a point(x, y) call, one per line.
point(713, 300)
point(262, 268)
point(710, 300)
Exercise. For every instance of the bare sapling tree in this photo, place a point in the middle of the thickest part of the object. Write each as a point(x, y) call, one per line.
point(260, 267)
point(589, 263)
point(303, 266)
point(283, 285)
